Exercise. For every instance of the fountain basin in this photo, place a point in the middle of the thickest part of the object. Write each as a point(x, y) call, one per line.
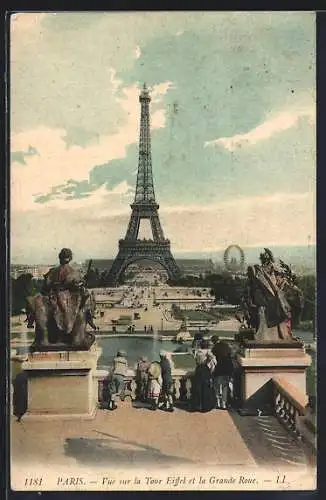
point(138, 347)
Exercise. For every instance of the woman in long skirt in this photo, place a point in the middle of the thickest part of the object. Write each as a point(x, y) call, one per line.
point(203, 395)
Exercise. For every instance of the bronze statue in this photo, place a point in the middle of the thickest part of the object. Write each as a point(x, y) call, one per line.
point(273, 302)
point(64, 308)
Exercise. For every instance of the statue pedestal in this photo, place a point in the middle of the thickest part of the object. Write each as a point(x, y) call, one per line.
point(62, 384)
point(260, 362)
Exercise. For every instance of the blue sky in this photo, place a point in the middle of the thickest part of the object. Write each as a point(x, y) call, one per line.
point(233, 129)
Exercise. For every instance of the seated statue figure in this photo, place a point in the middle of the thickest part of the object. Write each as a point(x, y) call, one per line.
point(272, 300)
point(63, 308)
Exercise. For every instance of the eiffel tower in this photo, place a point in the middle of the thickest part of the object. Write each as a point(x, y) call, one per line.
point(132, 249)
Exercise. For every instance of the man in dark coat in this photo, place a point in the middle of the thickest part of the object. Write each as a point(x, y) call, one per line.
point(142, 377)
point(198, 338)
point(223, 373)
point(20, 385)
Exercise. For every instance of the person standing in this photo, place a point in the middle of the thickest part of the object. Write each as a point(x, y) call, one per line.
point(211, 361)
point(203, 395)
point(142, 377)
point(167, 382)
point(154, 384)
point(222, 374)
point(20, 395)
point(197, 341)
point(117, 382)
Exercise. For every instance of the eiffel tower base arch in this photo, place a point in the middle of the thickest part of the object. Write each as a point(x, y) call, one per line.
point(133, 251)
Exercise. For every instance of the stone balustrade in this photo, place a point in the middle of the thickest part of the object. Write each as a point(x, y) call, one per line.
point(182, 383)
point(289, 404)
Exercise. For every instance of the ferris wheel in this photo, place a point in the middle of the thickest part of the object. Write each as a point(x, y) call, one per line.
point(230, 261)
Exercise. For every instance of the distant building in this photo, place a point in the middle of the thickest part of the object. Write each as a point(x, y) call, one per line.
point(195, 267)
point(100, 264)
point(36, 270)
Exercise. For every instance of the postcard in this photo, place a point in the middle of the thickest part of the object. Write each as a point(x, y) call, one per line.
point(162, 322)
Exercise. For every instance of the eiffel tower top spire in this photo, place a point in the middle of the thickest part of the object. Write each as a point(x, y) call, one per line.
point(145, 186)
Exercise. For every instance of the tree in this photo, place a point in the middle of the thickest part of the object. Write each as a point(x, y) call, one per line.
point(227, 287)
point(224, 286)
point(307, 285)
point(93, 278)
point(20, 289)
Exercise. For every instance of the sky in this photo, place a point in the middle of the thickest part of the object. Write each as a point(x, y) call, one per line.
point(232, 120)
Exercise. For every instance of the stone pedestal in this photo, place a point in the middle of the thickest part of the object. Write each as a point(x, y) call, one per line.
point(62, 384)
point(259, 363)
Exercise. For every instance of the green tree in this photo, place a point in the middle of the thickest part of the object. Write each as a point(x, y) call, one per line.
point(224, 286)
point(93, 278)
point(227, 287)
point(308, 286)
point(20, 289)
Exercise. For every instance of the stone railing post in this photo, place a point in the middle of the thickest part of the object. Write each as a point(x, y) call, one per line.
point(182, 385)
point(177, 385)
point(188, 388)
point(289, 404)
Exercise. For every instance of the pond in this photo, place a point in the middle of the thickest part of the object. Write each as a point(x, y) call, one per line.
point(137, 347)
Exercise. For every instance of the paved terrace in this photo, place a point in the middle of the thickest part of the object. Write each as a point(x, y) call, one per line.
point(135, 437)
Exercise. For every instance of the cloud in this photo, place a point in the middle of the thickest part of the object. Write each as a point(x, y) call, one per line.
point(277, 219)
point(26, 30)
point(273, 125)
point(137, 52)
point(243, 203)
point(122, 188)
point(56, 164)
point(97, 195)
point(93, 226)
point(160, 90)
point(20, 156)
point(27, 21)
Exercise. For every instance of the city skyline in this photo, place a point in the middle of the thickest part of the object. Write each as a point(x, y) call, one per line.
point(301, 259)
point(233, 129)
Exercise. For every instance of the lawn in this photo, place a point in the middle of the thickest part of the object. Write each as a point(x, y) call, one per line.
point(193, 315)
